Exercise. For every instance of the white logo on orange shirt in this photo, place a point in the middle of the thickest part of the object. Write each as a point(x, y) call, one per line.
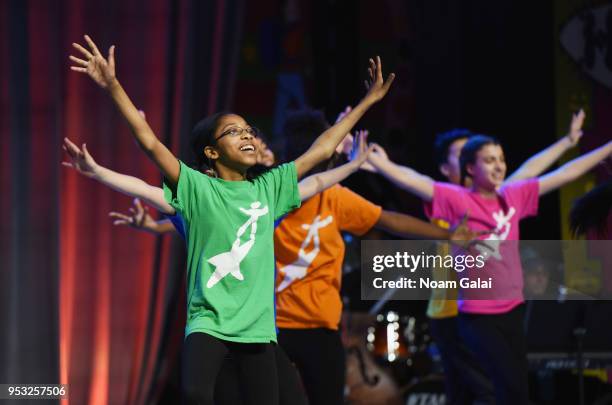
point(297, 269)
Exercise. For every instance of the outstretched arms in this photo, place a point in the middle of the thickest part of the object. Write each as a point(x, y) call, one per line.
point(541, 161)
point(407, 226)
point(324, 146)
point(316, 183)
point(84, 163)
point(102, 71)
point(574, 169)
point(404, 177)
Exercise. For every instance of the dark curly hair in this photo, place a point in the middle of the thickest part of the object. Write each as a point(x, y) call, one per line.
point(203, 135)
point(445, 139)
point(300, 131)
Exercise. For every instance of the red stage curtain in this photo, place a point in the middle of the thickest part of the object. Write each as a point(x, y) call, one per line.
point(83, 302)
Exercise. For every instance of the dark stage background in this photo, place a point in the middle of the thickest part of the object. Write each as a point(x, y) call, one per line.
point(100, 307)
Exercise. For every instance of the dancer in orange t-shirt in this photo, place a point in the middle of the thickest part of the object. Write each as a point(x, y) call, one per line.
point(309, 251)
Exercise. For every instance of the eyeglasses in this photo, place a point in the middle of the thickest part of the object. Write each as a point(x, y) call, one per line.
point(237, 131)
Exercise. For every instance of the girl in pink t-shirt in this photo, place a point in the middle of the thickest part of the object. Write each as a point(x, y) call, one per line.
point(491, 320)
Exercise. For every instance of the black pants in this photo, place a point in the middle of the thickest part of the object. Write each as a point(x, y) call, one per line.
point(499, 343)
point(465, 380)
point(319, 356)
point(290, 389)
point(203, 357)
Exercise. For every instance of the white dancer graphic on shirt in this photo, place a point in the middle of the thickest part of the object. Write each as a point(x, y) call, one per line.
point(229, 262)
point(501, 232)
point(297, 269)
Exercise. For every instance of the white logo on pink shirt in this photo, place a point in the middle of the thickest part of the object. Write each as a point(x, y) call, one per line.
point(502, 230)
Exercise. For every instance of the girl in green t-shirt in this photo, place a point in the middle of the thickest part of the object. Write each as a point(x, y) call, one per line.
point(229, 223)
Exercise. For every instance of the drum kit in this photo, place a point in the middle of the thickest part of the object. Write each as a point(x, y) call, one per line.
point(390, 357)
point(391, 360)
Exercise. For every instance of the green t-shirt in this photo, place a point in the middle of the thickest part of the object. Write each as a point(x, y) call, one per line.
point(229, 227)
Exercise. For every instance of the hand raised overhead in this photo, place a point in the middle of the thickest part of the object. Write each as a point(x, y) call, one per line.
point(101, 70)
point(376, 86)
point(575, 130)
point(360, 149)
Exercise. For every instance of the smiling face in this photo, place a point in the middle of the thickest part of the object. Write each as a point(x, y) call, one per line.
point(234, 146)
point(489, 169)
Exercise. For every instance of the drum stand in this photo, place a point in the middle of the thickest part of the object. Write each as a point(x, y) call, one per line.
point(579, 335)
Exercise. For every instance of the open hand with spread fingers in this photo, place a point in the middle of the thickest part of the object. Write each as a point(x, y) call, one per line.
point(138, 217)
point(92, 63)
point(378, 156)
point(376, 86)
point(575, 130)
point(80, 159)
point(360, 150)
point(462, 235)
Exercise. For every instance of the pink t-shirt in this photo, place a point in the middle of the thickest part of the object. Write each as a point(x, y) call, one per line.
point(515, 201)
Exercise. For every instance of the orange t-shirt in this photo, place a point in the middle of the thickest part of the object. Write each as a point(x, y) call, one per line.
point(309, 252)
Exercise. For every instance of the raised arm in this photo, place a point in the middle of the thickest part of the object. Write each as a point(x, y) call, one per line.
point(541, 161)
point(345, 147)
point(574, 169)
point(84, 163)
point(403, 177)
point(324, 146)
point(102, 71)
point(316, 183)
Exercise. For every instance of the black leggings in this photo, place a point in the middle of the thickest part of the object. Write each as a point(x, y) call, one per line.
point(319, 356)
point(499, 343)
point(464, 378)
point(203, 357)
point(290, 389)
